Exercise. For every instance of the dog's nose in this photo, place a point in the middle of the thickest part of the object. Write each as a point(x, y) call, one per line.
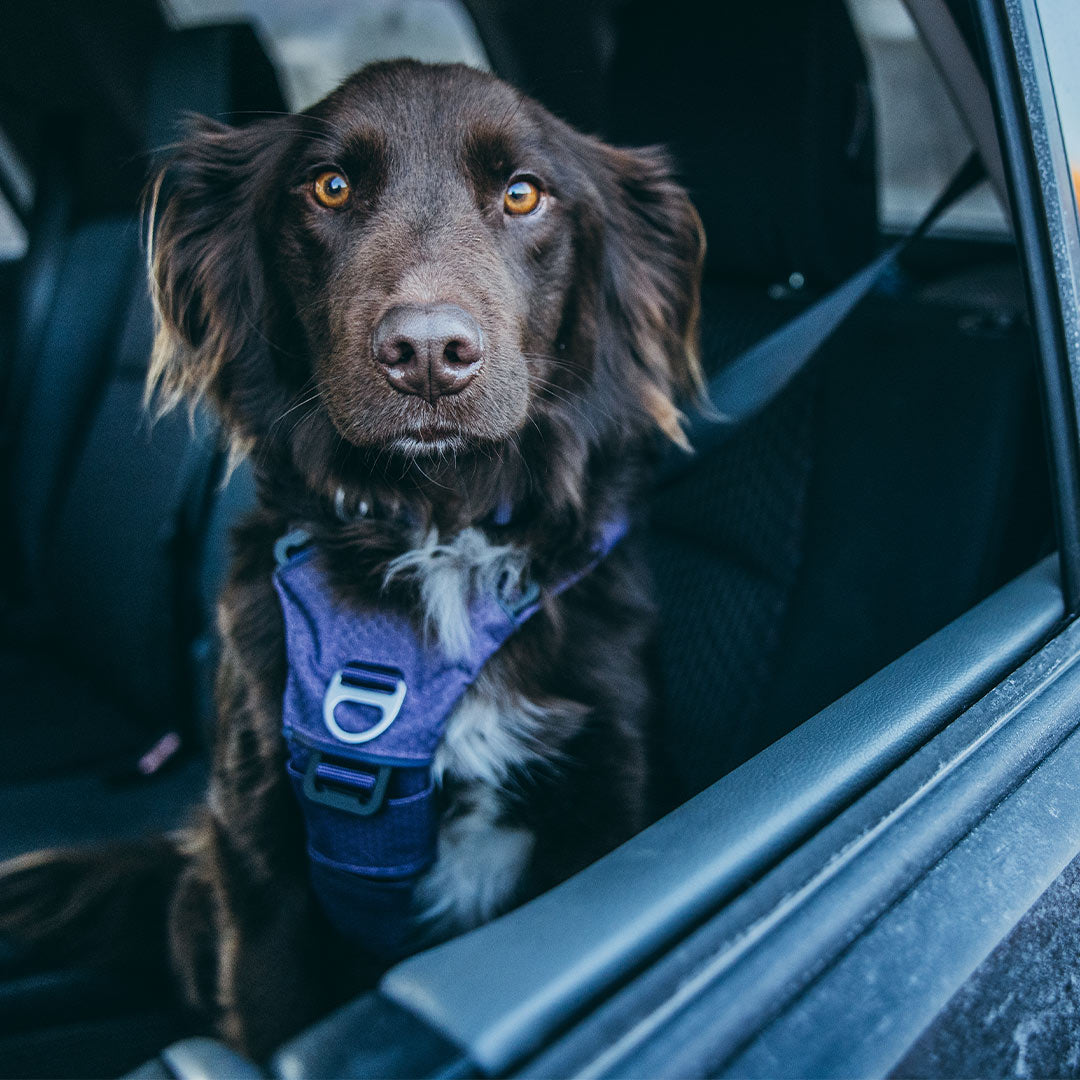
point(432, 350)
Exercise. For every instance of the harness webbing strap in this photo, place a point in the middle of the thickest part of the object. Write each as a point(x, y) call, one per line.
point(746, 385)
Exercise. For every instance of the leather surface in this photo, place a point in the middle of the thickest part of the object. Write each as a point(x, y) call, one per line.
point(207, 1059)
point(369, 1038)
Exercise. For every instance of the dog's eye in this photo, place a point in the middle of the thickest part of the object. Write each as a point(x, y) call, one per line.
point(521, 197)
point(331, 189)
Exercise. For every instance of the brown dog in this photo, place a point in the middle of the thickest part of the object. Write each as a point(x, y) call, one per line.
point(424, 299)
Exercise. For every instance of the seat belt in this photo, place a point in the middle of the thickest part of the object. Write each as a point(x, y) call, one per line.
point(755, 378)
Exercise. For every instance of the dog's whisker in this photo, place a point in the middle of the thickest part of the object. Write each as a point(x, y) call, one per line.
point(260, 333)
point(311, 397)
point(268, 441)
point(567, 395)
point(304, 417)
point(557, 394)
point(321, 301)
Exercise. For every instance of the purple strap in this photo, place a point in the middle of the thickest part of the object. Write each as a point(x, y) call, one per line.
point(366, 703)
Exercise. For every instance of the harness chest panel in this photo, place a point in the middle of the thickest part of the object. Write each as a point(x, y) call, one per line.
point(367, 700)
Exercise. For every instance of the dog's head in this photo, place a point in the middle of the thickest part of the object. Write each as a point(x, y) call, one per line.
point(424, 270)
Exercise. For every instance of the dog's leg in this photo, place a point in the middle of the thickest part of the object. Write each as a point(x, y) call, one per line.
point(244, 943)
point(247, 946)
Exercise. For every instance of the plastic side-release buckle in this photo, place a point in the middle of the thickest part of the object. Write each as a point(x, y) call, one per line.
point(355, 792)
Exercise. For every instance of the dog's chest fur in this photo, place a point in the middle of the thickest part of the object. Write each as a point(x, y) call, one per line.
point(494, 733)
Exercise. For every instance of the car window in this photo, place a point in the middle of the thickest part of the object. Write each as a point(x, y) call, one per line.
point(318, 44)
point(921, 137)
point(1060, 21)
point(1061, 33)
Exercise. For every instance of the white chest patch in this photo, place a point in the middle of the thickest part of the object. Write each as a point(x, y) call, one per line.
point(479, 866)
point(492, 731)
point(449, 575)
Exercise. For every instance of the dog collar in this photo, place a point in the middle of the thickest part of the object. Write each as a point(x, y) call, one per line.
point(357, 508)
point(367, 700)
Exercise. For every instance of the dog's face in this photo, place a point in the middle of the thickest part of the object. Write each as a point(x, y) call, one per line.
point(426, 267)
point(428, 250)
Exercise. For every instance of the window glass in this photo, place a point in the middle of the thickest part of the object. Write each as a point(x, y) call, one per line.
point(318, 43)
point(921, 138)
point(1061, 32)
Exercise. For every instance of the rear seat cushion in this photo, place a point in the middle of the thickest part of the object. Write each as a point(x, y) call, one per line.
point(781, 167)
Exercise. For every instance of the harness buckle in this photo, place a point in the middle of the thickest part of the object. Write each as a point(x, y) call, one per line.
point(372, 685)
point(285, 547)
point(318, 789)
point(515, 607)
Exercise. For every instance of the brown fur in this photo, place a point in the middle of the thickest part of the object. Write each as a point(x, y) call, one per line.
point(266, 304)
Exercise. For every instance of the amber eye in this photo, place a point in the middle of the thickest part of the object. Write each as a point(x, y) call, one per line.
point(521, 197)
point(331, 189)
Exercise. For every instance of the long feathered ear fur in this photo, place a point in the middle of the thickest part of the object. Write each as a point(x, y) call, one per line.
point(205, 265)
point(654, 249)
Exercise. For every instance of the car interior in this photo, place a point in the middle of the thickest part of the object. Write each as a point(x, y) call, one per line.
point(891, 487)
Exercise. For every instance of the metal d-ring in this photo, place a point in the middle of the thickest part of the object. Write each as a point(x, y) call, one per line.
point(371, 685)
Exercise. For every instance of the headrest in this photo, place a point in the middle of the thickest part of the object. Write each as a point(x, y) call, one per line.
point(219, 71)
point(767, 110)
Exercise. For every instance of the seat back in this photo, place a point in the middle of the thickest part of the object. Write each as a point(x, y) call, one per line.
point(778, 154)
point(109, 512)
point(894, 484)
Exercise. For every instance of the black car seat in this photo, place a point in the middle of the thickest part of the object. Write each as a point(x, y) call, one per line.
point(891, 486)
point(104, 618)
point(115, 543)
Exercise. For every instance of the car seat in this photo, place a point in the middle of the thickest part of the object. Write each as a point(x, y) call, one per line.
point(115, 542)
point(891, 486)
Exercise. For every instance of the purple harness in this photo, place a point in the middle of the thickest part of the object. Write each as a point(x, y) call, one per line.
point(366, 704)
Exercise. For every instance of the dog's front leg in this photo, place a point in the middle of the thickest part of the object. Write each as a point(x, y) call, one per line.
point(244, 939)
point(246, 949)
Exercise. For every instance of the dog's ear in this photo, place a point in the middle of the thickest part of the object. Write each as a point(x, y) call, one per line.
point(206, 274)
point(654, 248)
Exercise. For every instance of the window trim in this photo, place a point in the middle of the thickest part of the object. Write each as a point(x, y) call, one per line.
point(836, 961)
point(1035, 163)
point(688, 865)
